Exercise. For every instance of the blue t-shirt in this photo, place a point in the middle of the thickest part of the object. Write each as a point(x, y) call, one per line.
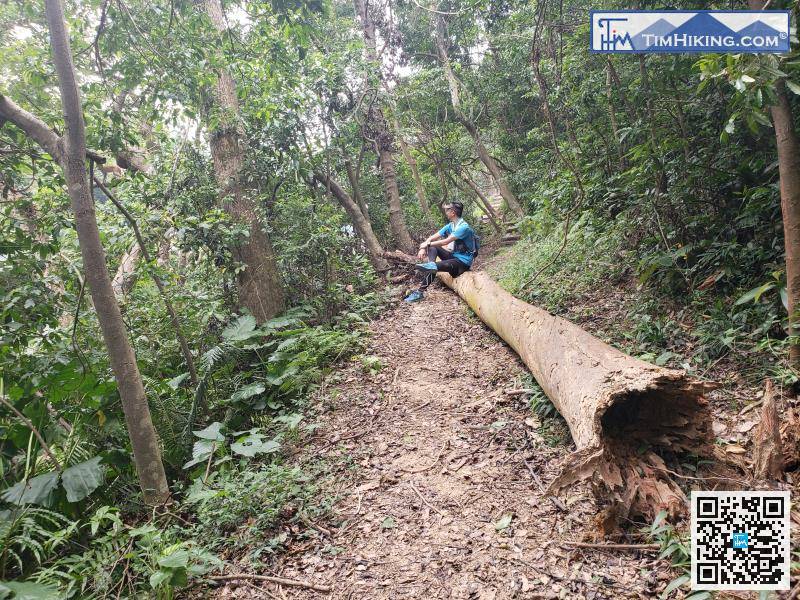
point(463, 233)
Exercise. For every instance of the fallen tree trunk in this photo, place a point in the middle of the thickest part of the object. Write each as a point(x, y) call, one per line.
point(623, 413)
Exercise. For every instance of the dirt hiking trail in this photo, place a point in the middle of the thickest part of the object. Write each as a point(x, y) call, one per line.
point(439, 501)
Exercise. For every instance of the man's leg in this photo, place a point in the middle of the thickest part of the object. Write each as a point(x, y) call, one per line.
point(453, 266)
point(427, 280)
point(435, 252)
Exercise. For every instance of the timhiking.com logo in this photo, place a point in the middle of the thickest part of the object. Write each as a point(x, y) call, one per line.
point(690, 31)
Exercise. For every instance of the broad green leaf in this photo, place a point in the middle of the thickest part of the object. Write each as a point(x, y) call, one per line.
point(291, 421)
point(143, 531)
point(82, 479)
point(37, 490)
point(248, 391)
point(212, 432)
point(201, 451)
point(179, 577)
point(279, 322)
point(250, 445)
point(175, 382)
point(159, 577)
point(28, 590)
point(241, 329)
point(754, 294)
point(179, 558)
point(793, 86)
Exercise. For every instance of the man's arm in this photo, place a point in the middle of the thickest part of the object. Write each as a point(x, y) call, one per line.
point(429, 241)
point(443, 242)
point(423, 247)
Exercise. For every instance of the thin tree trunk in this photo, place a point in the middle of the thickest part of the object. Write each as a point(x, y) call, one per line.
point(412, 164)
point(478, 192)
point(789, 172)
point(614, 404)
point(661, 181)
point(144, 441)
point(620, 90)
point(383, 137)
point(681, 118)
point(260, 289)
point(352, 177)
point(445, 190)
point(455, 100)
point(362, 225)
point(788, 146)
point(612, 116)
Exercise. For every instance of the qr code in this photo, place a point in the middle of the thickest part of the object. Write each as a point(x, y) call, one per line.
point(740, 540)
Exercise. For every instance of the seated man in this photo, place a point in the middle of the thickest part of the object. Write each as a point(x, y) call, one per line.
point(456, 232)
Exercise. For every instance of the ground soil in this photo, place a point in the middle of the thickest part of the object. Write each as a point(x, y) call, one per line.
point(439, 500)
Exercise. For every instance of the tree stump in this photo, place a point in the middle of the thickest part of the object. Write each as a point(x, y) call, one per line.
point(767, 446)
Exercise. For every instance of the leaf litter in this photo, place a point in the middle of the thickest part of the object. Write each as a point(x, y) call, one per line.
point(442, 502)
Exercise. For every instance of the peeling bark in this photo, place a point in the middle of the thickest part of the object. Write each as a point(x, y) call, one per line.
point(790, 439)
point(125, 277)
point(767, 447)
point(613, 403)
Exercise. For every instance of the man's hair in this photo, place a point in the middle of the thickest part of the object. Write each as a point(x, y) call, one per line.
point(456, 206)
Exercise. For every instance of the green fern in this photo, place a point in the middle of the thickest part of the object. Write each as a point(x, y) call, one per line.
point(86, 575)
point(30, 533)
point(218, 356)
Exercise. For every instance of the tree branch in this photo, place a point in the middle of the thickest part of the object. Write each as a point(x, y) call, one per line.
point(38, 130)
point(33, 126)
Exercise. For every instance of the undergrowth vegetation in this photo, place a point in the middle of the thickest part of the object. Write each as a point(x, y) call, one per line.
point(692, 310)
point(81, 533)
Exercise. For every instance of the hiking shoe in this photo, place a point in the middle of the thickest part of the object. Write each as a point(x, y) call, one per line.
point(429, 267)
point(414, 296)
